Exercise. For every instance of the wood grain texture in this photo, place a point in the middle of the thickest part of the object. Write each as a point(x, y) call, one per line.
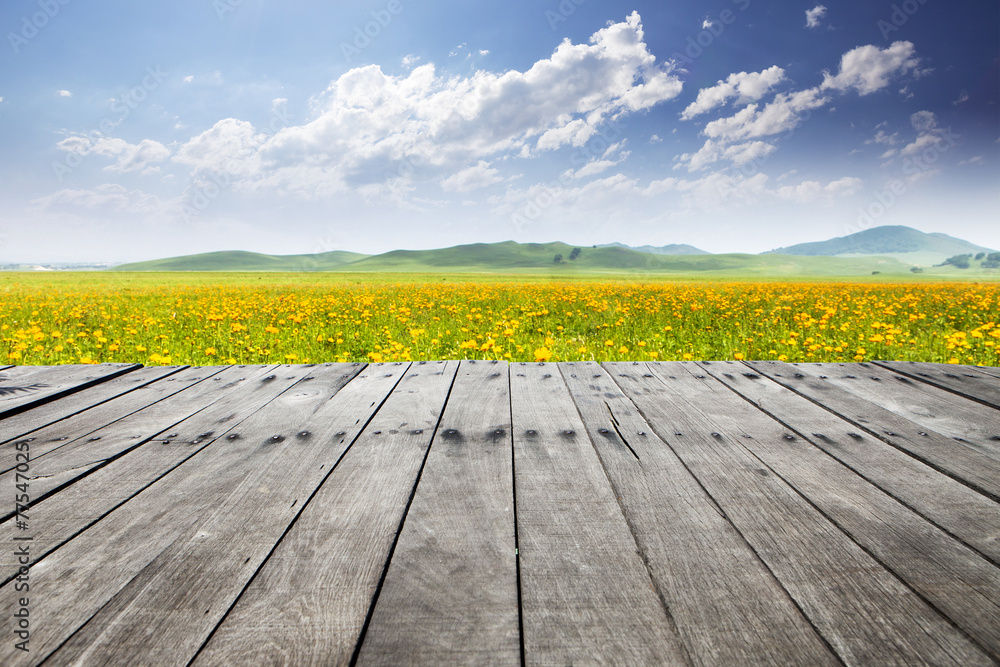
point(164, 615)
point(24, 423)
point(727, 606)
point(955, 459)
point(117, 427)
point(90, 498)
point(586, 594)
point(308, 604)
point(113, 561)
point(970, 382)
point(24, 387)
point(958, 582)
point(865, 614)
point(958, 418)
point(450, 593)
point(954, 507)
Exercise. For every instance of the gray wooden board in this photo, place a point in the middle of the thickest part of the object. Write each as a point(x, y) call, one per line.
point(969, 382)
point(307, 605)
point(586, 595)
point(986, 370)
point(147, 413)
point(966, 514)
point(22, 387)
point(980, 472)
point(23, 423)
point(82, 425)
point(727, 606)
point(954, 579)
point(971, 423)
point(112, 562)
point(73, 509)
point(865, 613)
point(450, 593)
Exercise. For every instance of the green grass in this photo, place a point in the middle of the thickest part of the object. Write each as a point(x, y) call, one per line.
point(238, 260)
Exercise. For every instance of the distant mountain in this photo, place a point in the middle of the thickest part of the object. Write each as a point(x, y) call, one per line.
point(239, 260)
point(672, 249)
point(904, 243)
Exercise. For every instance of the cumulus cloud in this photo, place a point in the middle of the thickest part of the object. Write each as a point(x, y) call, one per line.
point(478, 176)
point(65, 93)
point(814, 15)
point(808, 192)
point(743, 87)
point(139, 157)
point(928, 133)
point(864, 69)
point(369, 125)
point(782, 114)
point(867, 69)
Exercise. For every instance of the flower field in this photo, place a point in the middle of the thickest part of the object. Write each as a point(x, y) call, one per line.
point(256, 320)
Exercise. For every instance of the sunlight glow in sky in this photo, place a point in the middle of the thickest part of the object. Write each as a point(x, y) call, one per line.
point(147, 130)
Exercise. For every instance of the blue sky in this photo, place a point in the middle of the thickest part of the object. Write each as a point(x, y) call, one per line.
point(141, 130)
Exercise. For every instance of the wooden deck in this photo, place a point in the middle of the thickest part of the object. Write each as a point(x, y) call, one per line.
point(446, 513)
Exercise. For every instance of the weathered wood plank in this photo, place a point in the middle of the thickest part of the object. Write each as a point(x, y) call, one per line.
point(450, 594)
point(116, 428)
point(586, 595)
point(956, 459)
point(24, 387)
point(986, 370)
point(61, 433)
point(75, 508)
point(727, 606)
point(951, 505)
point(308, 603)
point(114, 560)
point(862, 610)
point(960, 583)
point(23, 423)
point(969, 382)
point(961, 419)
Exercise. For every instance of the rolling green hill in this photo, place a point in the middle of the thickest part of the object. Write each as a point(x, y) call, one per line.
point(672, 249)
point(238, 260)
point(511, 257)
point(904, 243)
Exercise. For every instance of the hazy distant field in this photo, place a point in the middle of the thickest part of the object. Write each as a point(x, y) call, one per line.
point(208, 319)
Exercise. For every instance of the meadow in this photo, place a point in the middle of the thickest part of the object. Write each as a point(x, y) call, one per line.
point(211, 319)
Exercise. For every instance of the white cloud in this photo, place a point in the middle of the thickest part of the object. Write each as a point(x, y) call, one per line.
point(478, 176)
point(370, 127)
point(814, 15)
point(780, 115)
point(706, 24)
point(409, 60)
point(869, 68)
point(744, 87)
point(189, 78)
point(881, 137)
point(655, 139)
point(928, 133)
point(65, 93)
point(808, 192)
point(139, 157)
point(962, 98)
point(865, 69)
point(229, 146)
